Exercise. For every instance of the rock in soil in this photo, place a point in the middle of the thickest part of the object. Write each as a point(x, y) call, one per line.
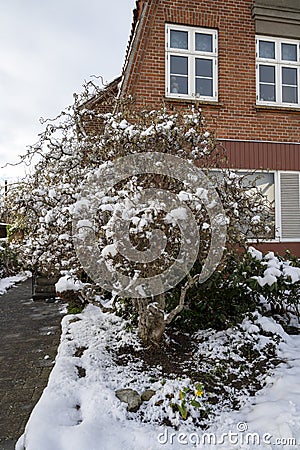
point(131, 397)
point(147, 394)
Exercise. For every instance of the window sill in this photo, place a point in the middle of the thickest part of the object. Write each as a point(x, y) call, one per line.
point(194, 101)
point(286, 109)
point(273, 241)
point(294, 241)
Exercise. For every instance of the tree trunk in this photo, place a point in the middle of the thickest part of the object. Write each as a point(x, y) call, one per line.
point(151, 324)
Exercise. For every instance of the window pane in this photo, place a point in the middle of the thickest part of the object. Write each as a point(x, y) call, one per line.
point(289, 52)
point(289, 76)
point(265, 184)
point(204, 87)
point(178, 85)
point(179, 65)
point(203, 42)
point(267, 49)
point(204, 68)
point(267, 92)
point(179, 39)
point(267, 74)
point(289, 94)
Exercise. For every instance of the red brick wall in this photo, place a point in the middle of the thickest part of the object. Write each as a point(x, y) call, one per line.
point(236, 115)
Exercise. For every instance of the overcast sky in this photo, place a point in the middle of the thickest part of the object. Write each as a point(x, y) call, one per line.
point(47, 49)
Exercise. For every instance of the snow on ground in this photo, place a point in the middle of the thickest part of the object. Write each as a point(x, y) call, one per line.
point(8, 282)
point(79, 410)
point(272, 420)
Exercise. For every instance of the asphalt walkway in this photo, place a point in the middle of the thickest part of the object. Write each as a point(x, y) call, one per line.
point(29, 337)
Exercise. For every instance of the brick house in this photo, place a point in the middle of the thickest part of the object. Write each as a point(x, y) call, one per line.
point(241, 60)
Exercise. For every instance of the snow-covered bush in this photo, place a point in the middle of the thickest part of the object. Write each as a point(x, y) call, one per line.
point(68, 289)
point(246, 282)
point(70, 151)
point(277, 280)
point(223, 300)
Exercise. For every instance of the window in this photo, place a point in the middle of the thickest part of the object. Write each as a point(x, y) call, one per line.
point(278, 71)
point(191, 63)
point(282, 189)
point(282, 192)
point(265, 184)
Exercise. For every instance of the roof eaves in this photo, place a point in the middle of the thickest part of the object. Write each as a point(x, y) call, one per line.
point(107, 91)
point(139, 5)
point(138, 18)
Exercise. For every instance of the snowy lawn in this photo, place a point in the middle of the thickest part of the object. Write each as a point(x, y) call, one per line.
point(8, 282)
point(239, 388)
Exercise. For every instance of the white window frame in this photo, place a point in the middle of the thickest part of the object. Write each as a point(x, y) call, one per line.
point(278, 227)
point(192, 55)
point(277, 202)
point(278, 63)
point(278, 207)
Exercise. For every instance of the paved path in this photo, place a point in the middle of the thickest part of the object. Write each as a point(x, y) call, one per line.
point(29, 331)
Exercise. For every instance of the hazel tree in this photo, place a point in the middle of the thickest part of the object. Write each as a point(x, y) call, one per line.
point(74, 220)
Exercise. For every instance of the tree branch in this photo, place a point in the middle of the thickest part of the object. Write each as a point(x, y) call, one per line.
point(191, 281)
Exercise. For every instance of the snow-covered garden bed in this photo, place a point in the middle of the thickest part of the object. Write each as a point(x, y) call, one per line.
point(239, 387)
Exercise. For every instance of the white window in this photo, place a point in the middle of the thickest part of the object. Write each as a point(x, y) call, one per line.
point(191, 62)
point(282, 189)
point(277, 71)
point(265, 183)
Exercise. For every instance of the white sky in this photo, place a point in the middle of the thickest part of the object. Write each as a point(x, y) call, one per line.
point(47, 49)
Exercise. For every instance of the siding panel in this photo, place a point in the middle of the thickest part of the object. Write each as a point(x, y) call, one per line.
point(263, 155)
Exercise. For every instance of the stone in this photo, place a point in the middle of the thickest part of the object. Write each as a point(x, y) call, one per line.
point(147, 394)
point(131, 397)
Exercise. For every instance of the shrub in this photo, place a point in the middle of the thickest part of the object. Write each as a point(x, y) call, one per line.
point(277, 283)
point(9, 263)
point(246, 282)
point(50, 206)
point(223, 299)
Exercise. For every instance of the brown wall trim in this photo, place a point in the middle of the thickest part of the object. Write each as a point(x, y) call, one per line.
point(262, 155)
point(280, 247)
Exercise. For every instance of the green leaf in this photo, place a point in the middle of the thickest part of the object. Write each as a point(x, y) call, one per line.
point(199, 387)
point(182, 395)
point(195, 403)
point(182, 410)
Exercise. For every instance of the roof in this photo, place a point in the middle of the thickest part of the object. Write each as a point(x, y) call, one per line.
point(109, 90)
point(139, 4)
